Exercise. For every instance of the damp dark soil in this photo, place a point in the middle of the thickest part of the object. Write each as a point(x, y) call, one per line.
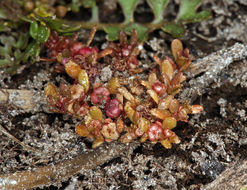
point(210, 141)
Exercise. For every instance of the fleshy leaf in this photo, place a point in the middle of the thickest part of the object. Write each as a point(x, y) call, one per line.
point(43, 33)
point(39, 31)
point(187, 11)
point(42, 11)
point(17, 54)
point(128, 7)
point(176, 47)
point(95, 13)
point(84, 80)
point(27, 19)
point(10, 51)
point(158, 7)
point(175, 29)
point(8, 42)
point(22, 41)
point(59, 26)
point(88, 3)
point(76, 4)
point(34, 30)
point(112, 32)
point(54, 24)
point(32, 51)
point(141, 31)
point(5, 62)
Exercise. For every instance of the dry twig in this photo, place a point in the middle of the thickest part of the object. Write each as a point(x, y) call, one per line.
point(25, 100)
point(63, 170)
point(26, 147)
point(232, 178)
point(209, 68)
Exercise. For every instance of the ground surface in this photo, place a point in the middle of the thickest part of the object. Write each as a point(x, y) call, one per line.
point(209, 142)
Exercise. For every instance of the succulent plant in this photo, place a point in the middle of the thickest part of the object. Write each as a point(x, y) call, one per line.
point(128, 107)
point(12, 51)
point(124, 108)
point(39, 18)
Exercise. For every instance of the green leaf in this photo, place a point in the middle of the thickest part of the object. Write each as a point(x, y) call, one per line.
point(12, 70)
point(17, 54)
point(33, 30)
point(187, 11)
point(175, 29)
point(43, 34)
point(8, 42)
point(68, 29)
point(6, 52)
point(42, 10)
point(54, 24)
point(112, 32)
point(59, 26)
point(5, 62)
point(75, 5)
point(22, 41)
point(3, 15)
point(88, 3)
point(142, 31)
point(158, 7)
point(10, 63)
point(128, 7)
point(25, 18)
point(32, 51)
point(95, 14)
point(39, 32)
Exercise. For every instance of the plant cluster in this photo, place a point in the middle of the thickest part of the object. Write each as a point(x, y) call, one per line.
point(125, 107)
point(23, 33)
point(187, 13)
point(39, 17)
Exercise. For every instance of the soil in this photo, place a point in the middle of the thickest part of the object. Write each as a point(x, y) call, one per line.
point(210, 141)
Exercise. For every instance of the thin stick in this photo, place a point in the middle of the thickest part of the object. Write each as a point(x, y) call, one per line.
point(26, 147)
point(25, 100)
point(209, 68)
point(217, 61)
point(102, 26)
point(234, 177)
point(91, 36)
point(61, 171)
point(46, 59)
